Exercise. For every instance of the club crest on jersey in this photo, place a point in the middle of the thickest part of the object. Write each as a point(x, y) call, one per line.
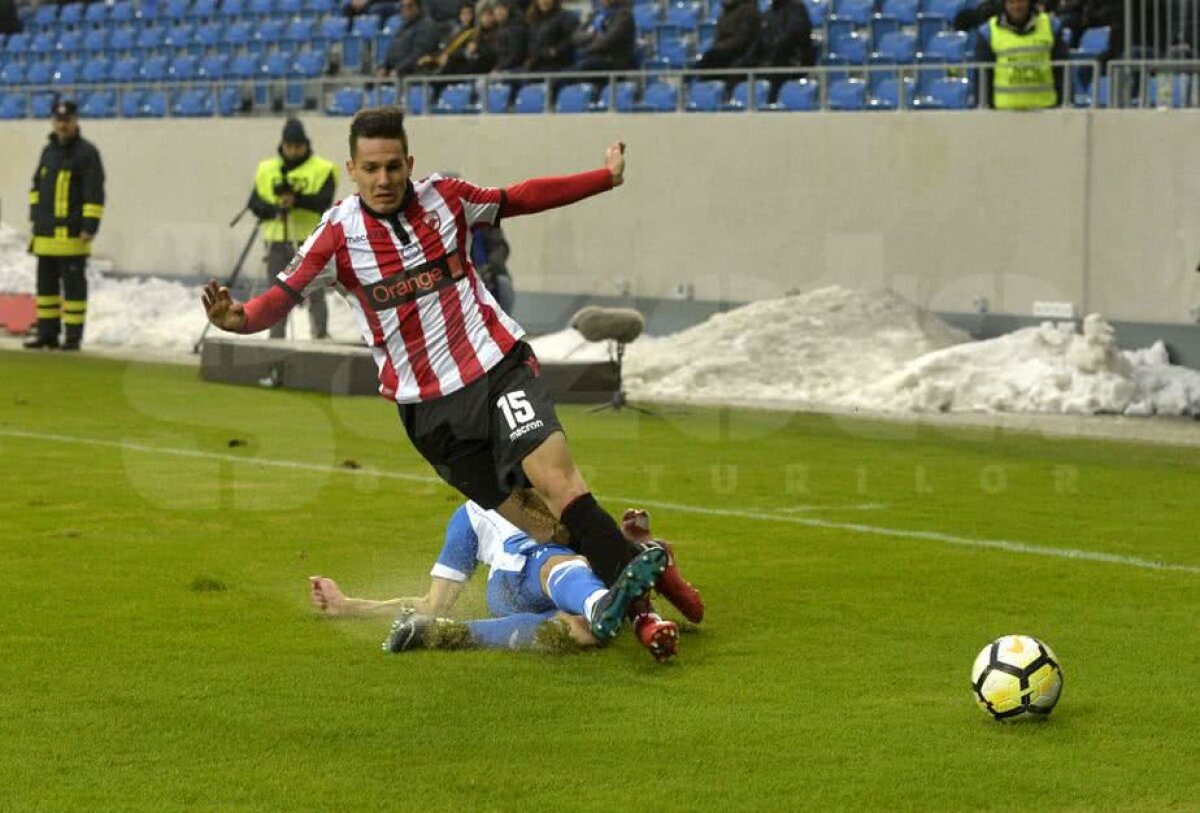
point(433, 221)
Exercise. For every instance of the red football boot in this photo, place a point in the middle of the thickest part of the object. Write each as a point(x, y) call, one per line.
point(635, 524)
point(659, 636)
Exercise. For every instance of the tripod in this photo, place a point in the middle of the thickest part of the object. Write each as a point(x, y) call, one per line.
point(233, 275)
point(616, 357)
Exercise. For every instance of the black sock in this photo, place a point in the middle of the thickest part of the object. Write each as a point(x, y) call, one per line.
point(595, 534)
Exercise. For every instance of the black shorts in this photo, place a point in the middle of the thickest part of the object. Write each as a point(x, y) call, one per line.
point(476, 437)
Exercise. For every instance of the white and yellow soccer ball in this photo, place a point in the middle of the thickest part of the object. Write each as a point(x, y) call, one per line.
point(1016, 677)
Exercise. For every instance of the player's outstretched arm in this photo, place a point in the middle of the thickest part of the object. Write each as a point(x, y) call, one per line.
point(540, 194)
point(329, 599)
point(222, 309)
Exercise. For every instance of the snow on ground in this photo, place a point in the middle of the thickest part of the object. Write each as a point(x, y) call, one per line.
point(829, 348)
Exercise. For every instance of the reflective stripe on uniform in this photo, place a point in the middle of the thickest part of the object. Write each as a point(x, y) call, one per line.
point(74, 311)
point(60, 245)
point(95, 210)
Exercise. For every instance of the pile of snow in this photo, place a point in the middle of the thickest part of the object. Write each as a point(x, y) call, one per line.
point(833, 348)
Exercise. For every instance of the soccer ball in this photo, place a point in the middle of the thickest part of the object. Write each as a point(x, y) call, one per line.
point(1016, 677)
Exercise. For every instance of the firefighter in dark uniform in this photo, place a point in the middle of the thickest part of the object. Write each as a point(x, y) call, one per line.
point(66, 203)
point(291, 192)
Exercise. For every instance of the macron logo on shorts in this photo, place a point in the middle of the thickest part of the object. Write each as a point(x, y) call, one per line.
point(526, 429)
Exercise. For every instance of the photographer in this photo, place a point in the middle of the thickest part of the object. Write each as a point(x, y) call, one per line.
point(291, 192)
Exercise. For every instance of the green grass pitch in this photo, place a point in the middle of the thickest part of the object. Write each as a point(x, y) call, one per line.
point(851, 569)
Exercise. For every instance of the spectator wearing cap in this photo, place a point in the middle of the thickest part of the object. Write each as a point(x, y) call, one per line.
point(478, 55)
point(292, 189)
point(551, 34)
point(66, 203)
point(417, 37)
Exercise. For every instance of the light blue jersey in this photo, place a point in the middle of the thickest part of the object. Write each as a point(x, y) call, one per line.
point(514, 559)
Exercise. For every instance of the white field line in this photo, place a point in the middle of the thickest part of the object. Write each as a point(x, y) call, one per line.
point(860, 506)
point(683, 508)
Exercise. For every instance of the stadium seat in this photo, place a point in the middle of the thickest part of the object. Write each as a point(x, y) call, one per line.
point(71, 14)
point(705, 95)
point(39, 73)
point(212, 67)
point(12, 106)
point(498, 95)
point(232, 9)
point(575, 98)
point(659, 97)
point(122, 39)
point(946, 9)
point(346, 102)
point(896, 48)
point(850, 49)
point(68, 42)
point(310, 63)
point(366, 26)
point(209, 35)
point(672, 54)
point(277, 65)
point(149, 38)
point(848, 94)
point(706, 34)
point(43, 42)
point(12, 74)
point(686, 15)
point(531, 98)
point(96, 69)
point(886, 94)
point(455, 99)
point(264, 8)
point(645, 17)
point(237, 35)
point(65, 73)
point(131, 103)
point(946, 46)
point(881, 26)
point(16, 43)
point(739, 97)
point(299, 30)
point(98, 104)
point(929, 27)
point(320, 7)
point(95, 14)
point(856, 11)
point(175, 10)
point(122, 11)
point(124, 70)
point(242, 66)
point(203, 10)
point(193, 103)
point(949, 94)
point(271, 31)
point(289, 8)
point(45, 16)
point(229, 100)
point(180, 35)
point(153, 69)
point(331, 28)
point(183, 69)
point(40, 104)
point(95, 40)
point(154, 105)
point(818, 11)
point(798, 95)
point(905, 11)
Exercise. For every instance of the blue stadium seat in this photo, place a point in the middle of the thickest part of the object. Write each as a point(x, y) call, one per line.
point(857, 11)
point(68, 42)
point(798, 95)
point(881, 26)
point(850, 49)
point(154, 104)
point(319, 7)
point(203, 10)
point(12, 106)
point(149, 38)
point(232, 8)
point(122, 11)
point(264, 8)
point(184, 68)
point(531, 98)
point(366, 26)
point(176, 9)
point(388, 95)
point(193, 103)
point(277, 66)
point(905, 11)
point(43, 42)
point(153, 69)
point(706, 34)
point(99, 104)
point(645, 17)
point(16, 43)
point(391, 25)
point(270, 31)
point(836, 28)
point(229, 100)
point(40, 104)
point(848, 94)
point(122, 39)
point(455, 99)
point(946, 46)
point(242, 66)
point(886, 94)
point(39, 73)
point(237, 35)
point(739, 97)
point(684, 14)
point(928, 27)
point(575, 98)
point(70, 14)
point(331, 28)
point(95, 40)
point(209, 35)
point(895, 48)
point(289, 8)
point(299, 30)
point(180, 35)
point(95, 14)
point(131, 103)
point(671, 55)
point(45, 16)
point(310, 63)
point(346, 102)
point(212, 67)
point(124, 70)
point(13, 74)
point(706, 96)
point(659, 97)
point(96, 69)
point(949, 94)
point(66, 72)
point(354, 53)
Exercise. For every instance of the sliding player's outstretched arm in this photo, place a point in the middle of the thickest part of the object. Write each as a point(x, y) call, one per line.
point(540, 194)
point(329, 599)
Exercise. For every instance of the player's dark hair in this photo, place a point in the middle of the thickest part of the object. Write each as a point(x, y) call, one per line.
point(377, 122)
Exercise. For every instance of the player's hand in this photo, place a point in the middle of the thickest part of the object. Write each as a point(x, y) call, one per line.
point(286, 201)
point(221, 308)
point(86, 236)
point(614, 160)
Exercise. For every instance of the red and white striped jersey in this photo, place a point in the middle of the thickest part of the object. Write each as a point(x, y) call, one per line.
point(430, 322)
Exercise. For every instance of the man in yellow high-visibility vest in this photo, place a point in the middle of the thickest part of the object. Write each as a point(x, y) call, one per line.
point(291, 191)
point(1022, 41)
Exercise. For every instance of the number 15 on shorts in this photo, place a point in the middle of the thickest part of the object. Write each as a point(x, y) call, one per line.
point(517, 410)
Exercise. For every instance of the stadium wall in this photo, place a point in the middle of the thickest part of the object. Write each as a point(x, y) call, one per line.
point(1098, 209)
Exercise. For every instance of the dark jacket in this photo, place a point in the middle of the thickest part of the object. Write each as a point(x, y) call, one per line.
point(550, 46)
point(785, 38)
point(10, 22)
point(737, 34)
point(78, 164)
point(479, 56)
point(616, 39)
point(416, 39)
point(984, 52)
point(512, 43)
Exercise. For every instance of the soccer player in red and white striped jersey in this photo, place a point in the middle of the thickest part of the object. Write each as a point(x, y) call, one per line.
point(468, 388)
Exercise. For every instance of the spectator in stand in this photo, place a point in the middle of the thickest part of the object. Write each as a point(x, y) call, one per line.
point(785, 40)
point(478, 55)
point(1080, 15)
point(610, 47)
point(10, 21)
point(737, 36)
point(971, 17)
point(512, 38)
point(1022, 42)
point(551, 30)
point(444, 13)
point(458, 39)
point(416, 38)
point(357, 8)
